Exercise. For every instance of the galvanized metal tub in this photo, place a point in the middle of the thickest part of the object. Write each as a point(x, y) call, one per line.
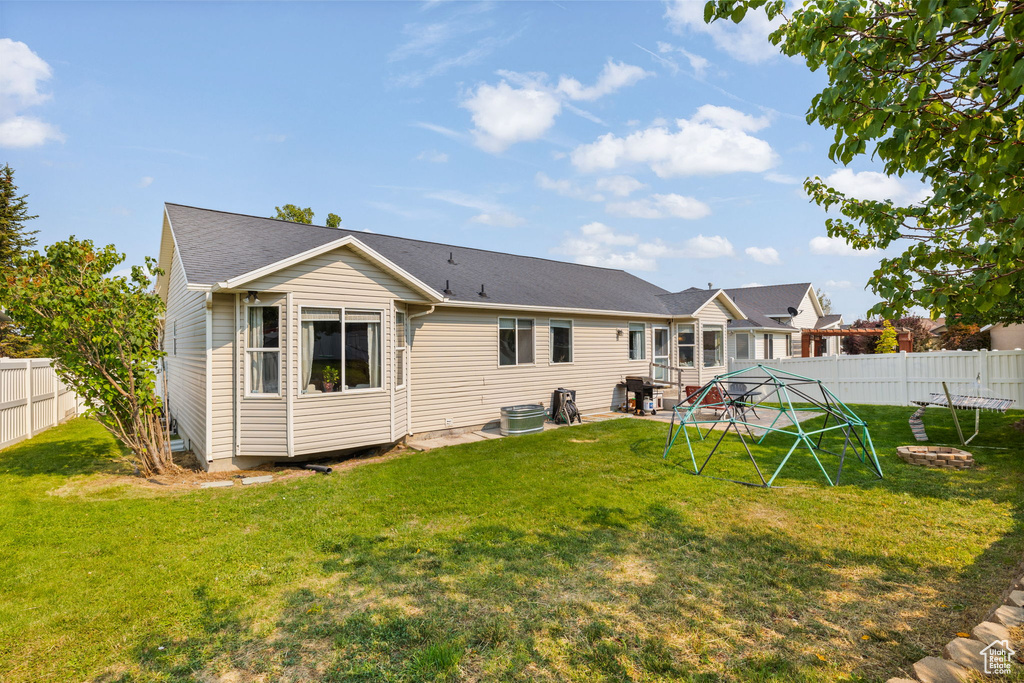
point(524, 419)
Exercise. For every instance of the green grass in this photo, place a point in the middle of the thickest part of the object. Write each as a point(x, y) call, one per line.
point(574, 555)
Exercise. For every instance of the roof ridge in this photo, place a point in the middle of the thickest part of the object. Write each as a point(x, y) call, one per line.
point(414, 239)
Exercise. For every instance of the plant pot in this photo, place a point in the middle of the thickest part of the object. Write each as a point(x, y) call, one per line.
point(328, 387)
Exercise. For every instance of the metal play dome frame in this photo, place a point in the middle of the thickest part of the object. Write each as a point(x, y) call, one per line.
point(772, 390)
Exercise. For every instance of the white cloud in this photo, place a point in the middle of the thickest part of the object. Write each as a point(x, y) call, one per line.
point(498, 219)
point(766, 255)
point(715, 140)
point(838, 284)
point(836, 246)
point(697, 63)
point(145, 181)
point(27, 131)
point(876, 187)
point(614, 76)
point(491, 213)
point(782, 178)
point(661, 206)
point(503, 115)
point(747, 41)
point(752, 284)
point(708, 247)
point(522, 107)
point(619, 185)
point(21, 73)
point(567, 188)
point(432, 156)
point(440, 130)
point(597, 244)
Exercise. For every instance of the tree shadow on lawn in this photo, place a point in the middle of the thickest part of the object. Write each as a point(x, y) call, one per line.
point(610, 596)
point(74, 448)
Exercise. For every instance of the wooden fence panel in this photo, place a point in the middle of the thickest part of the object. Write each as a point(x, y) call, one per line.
point(896, 379)
point(32, 399)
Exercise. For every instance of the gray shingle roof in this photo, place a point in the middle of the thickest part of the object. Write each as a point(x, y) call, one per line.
point(216, 246)
point(826, 320)
point(769, 299)
point(688, 301)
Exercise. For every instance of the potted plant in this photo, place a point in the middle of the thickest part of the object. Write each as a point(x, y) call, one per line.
point(330, 378)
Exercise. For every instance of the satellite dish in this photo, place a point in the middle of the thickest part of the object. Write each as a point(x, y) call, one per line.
point(793, 312)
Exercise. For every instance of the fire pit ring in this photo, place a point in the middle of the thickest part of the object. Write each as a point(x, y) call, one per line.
point(945, 457)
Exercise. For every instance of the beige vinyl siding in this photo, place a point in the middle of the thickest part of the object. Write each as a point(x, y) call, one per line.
point(186, 368)
point(455, 372)
point(713, 315)
point(324, 422)
point(223, 403)
point(807, 319)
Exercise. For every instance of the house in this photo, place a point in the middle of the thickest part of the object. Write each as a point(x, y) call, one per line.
point(1005, 337)
point(776, 318)
point(287, 341)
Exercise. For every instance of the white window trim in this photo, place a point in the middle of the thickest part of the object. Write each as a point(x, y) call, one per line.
point(404, 347)
point(679, 357)
point(736, 346)
point(721, 347)
point(343, 391)
point(643, 347)
point(282, 325)
point(572, 342)
point(517, 364)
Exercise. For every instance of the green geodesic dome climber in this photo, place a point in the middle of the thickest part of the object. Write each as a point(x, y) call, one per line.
point(758, 401)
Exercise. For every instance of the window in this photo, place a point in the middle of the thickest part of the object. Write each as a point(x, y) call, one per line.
point(793, 350)
point(768, 346)
point(515, 341)
point(742, 345)
point(321, 350)
point(400, 348)
point(637, 341)
point(661, 345)
point(712, 338)
point(561, 341)
point(340, 350)
point(263, 350)
point(685, 339)
point(362, 349)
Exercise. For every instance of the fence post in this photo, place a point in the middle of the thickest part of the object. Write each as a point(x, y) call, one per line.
point(983, 367)
point(28, 398)
point(56, 395)
point(904, 388)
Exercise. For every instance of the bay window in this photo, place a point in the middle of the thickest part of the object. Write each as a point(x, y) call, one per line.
point(362, 349)
point(712, 337)
point(686, 340)
point(399, 349)
point(339, 350)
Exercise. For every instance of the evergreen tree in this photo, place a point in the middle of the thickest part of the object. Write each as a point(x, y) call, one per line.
point(15, 239)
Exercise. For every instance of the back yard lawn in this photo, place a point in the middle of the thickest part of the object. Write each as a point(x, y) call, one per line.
point(573, 555)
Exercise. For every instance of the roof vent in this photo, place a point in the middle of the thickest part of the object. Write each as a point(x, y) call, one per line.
point(447, 289)
point(710, 286)
point(483, 293)
point(451, 258)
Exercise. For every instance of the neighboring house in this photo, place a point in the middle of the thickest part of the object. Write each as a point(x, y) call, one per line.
point(1005, 337)
point(775, 317)
point(287, 341)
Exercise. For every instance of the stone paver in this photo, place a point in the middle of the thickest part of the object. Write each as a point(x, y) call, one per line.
point(1009, 615)
point(989, 632)
point(966, 653)
point(257, 480)
point(216, 484)
point(935, 670)
point(1016, 598)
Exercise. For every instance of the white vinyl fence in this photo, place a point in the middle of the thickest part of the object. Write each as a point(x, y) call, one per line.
point(896, 379)
point(31, 399)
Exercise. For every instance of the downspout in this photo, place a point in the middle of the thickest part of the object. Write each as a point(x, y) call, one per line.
point(408, 380)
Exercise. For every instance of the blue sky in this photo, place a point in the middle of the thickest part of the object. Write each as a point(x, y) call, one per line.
point(620, 134)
